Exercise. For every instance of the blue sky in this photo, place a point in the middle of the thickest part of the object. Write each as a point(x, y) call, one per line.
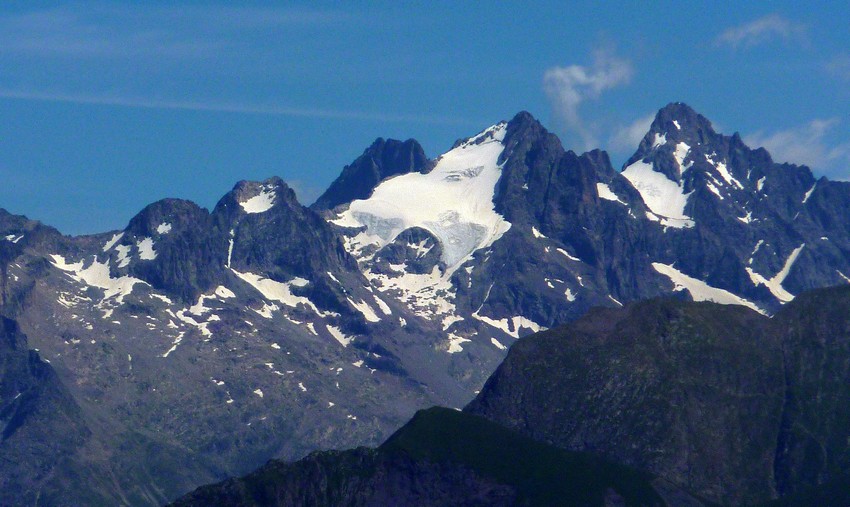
point(106, 107)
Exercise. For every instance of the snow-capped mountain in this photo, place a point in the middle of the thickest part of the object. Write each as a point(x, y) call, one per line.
point(268, 329)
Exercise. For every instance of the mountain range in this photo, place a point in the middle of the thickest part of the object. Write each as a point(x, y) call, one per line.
point(195, 345)
point(663, 402)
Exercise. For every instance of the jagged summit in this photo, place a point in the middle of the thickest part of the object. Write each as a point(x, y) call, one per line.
point(685, 171)
point(383, 159)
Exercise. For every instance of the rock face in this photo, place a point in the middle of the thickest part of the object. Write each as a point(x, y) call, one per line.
point(384, 159)
point(54, 451)
point(265, 329)
point(38, 419)
point(443, 457)
point(719, 400)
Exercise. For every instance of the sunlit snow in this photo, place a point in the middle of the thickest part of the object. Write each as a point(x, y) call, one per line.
point(456, 343)
point(97, 275)
point(366, 310)
point(510, 326)
point(261, 202)
point(146, 251)
point(699, 290)
point(605, 192)
point(775, 283)
point(664, 197)
point(339, 335)
point(454, 201)
point(114, 239)
point(280, 291)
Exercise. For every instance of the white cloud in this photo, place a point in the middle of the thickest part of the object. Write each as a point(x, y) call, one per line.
point(807, 144)
point(568, 87)
point(759, 31)
point(628, 137)
point(216, 106)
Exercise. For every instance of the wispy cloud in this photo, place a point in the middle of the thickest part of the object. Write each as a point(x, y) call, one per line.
point(807, 144)
point(764, 29)
point(232, 107)
point(129, 31)
point(568, 87)
point(627, 138)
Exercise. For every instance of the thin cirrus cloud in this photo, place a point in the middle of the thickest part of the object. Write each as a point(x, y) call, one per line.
point(230, 107)
point(569, 87)
point(807, 144)
point(127, 31)
point(144, 48)
point(759, 31)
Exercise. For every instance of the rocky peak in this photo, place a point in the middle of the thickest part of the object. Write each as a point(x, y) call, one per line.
point(172, 245)
point(680, 122)
point(383, 159)
point(165, 216)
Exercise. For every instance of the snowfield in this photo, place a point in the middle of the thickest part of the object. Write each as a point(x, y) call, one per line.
point(454, 201)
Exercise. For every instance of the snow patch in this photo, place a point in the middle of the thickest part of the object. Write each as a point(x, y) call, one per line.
point(109, 244)
point(567, 255)
point(680, 153)
point(261, 202)
point(163, 228)
point(229, 249)
point(664, 197)
point(699, 290)
point(510, 326)
point(164, 299)
point(809, 193)
point(721, 168)
point(97, 275)
point(280, 291)
point(223, 292)
point(746, 219)
point(123, 255)
point(498, 344)
point(366, 310)
point(605, 192)
point(339, 335)
point(537, 233)
point(383, 306)
point(449, 320)
point(615, 300)
point(775, 283)
point(427, 295)
point(174, 344)
point(146, 251)
point(456, 343)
